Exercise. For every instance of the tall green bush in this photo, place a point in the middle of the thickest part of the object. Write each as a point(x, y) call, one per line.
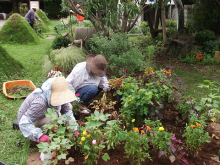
point(60, 42)
point(119, 52)
point(204, 36)
point(205, 16)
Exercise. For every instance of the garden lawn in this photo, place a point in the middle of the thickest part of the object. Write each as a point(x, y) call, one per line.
point(14, 147)
point(192, 74)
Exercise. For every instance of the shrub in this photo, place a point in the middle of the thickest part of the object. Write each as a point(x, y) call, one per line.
point(203, 36)
point(60, 42)
point(210, 47)
point(87, 23)
point(144, 28)
point(65, 58)
point(171, 23)
point(119, 52)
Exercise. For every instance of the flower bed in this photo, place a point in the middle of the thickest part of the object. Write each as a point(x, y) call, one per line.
point(154, 123)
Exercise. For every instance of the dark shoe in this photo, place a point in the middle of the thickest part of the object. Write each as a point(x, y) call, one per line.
point(15, 125)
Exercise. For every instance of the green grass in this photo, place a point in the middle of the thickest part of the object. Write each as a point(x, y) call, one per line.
point(14, 147)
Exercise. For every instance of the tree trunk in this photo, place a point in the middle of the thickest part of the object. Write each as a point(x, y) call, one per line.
point(163, 24)
point(180, 19)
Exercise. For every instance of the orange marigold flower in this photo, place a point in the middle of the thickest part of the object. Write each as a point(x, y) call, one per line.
point(198, 149)
point(136, 129)
point(193, 126)
point(142, 131)
point(163, 73)
point(148, 128)
point(168, 73)
point(199, 125)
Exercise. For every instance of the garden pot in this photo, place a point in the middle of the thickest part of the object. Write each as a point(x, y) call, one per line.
point(10, 84)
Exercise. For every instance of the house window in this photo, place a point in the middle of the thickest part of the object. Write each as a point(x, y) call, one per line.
point(151, 0)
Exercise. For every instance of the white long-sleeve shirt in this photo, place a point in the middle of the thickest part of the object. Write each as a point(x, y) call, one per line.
point(81, 76)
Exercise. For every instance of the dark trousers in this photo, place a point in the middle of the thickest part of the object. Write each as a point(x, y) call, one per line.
point(32, 25)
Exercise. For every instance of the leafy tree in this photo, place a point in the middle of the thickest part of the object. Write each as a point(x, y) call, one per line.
point(120, 17)
point(206, 16)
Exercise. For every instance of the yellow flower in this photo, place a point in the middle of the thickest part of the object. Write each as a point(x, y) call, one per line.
point(129, 100)
point(161, 129)
point(80, 143)
point(83, 138)
point(142, 131)
point(199, 125)
point(96, 128)
point(84, 132)
point(158, 81)
point(148, 70)
point(133, 120)
point(136, 129)
point(213, 135)
point(193, 126)
point(88, 135)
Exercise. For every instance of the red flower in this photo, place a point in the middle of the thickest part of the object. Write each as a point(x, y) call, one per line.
point(55, 129)
point(80, 107)
point(76, 133)
point(77, 95)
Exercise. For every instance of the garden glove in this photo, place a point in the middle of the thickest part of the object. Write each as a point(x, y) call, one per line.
point(44, 138)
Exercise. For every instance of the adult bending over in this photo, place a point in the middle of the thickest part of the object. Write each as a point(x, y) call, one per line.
point(88, 78)
point(54, 93)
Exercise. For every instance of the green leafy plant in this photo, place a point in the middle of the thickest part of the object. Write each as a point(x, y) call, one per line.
point(203, 36)
point(136, 147)
point(91, 140)
point(210, 103)
point(195, 134)
point(118, 51)
point(61, 136)
point(114, 135)
point(60, 42)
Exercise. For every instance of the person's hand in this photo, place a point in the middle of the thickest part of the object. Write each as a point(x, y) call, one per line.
point(44, 138)
point(111, 90)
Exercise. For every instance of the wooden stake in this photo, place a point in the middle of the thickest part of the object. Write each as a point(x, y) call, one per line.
point(217, 56)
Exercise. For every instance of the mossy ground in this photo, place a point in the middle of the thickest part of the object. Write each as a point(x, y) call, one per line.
point(17, 30)
point(41, 24)
point(43, 16)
